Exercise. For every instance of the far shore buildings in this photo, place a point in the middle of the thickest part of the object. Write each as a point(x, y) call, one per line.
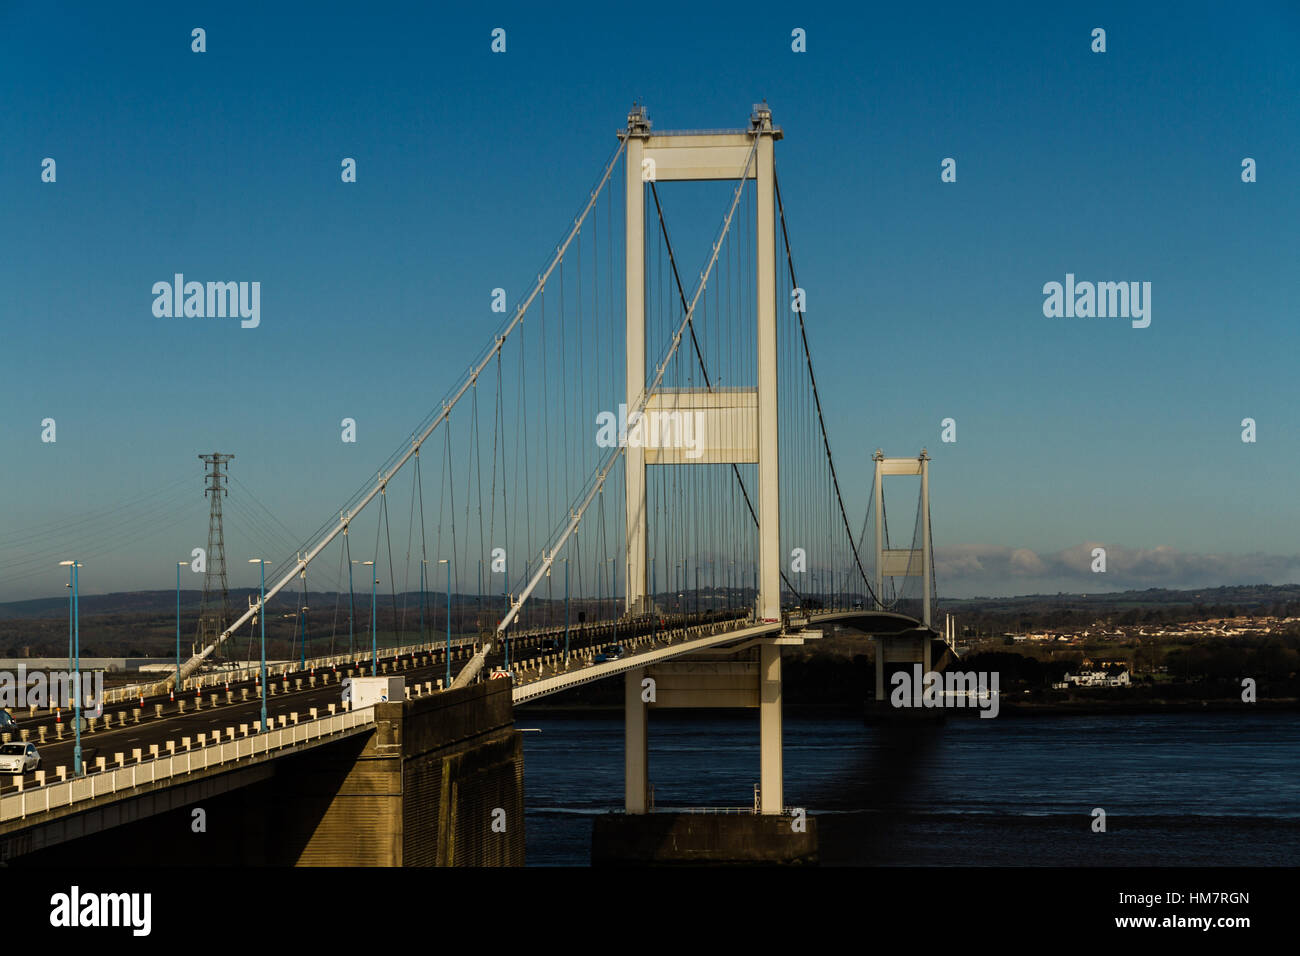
point(1093, 679)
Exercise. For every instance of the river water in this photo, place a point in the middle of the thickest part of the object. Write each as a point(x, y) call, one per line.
point(1178, 789)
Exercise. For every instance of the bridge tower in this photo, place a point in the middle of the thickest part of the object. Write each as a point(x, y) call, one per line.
point(903, 562)
point(694, 157)
point(214, 614)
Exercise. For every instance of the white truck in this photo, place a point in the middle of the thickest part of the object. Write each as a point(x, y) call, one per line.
point(367, 691)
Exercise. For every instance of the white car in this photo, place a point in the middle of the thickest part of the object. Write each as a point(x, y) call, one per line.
point(19, 758)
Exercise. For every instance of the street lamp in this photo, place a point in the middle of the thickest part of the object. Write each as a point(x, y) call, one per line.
point(261, 614)
point(302, 648)
point(424, 575)
point(76, 665)
point(613, 595)
point(374, 622)
point(352, 608)
point(179, 565)
point(447, 561)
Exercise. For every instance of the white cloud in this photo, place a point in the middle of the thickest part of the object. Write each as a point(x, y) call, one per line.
point(993, 570)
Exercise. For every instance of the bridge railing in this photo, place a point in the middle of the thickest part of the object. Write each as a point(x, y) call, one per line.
point(54, 796)
point(116, 695)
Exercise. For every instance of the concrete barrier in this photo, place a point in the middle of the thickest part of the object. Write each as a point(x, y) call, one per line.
point(137, 754)
point(101, 763)
point(153, 751)
point(119, 758)
point(40, 732)
point(157, 710)
point(185, 742)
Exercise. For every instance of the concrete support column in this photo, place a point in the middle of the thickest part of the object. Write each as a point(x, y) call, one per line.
point(771, 776)
point(635, 561)
point(927, 559)
point(879, 505)
point(769, 494)
point(636, 743)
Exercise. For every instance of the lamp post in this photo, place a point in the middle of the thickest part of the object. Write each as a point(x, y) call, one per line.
point(566, 612)
point(352, 607)
point(261, 615)
point(77, 770)
point(447, 561)
point(302, 646)
point(424, 566)
point(613, 594)
point(179, 565)
point(374, 622)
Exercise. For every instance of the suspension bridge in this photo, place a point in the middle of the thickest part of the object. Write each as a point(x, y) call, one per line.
point(633, 479)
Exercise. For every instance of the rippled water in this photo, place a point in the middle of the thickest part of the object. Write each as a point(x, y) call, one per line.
point(1179, 789)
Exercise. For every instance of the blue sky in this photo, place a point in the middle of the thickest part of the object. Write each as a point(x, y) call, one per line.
point(925, 298)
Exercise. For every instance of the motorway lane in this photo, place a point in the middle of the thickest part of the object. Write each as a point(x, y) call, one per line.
point(174, 725)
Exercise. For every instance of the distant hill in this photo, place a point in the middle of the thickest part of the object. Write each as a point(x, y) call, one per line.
point(1256, 597)
point(1153, 606)
point(1251, 597)
point(146, 602)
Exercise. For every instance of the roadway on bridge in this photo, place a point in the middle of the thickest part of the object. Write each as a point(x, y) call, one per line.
point(537, 665)
point(287, 698)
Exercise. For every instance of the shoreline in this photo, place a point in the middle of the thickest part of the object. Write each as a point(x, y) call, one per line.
point(1013, 709)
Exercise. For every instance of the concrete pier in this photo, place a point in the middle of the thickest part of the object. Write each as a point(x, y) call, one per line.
point(438, 781)
point(712, 839)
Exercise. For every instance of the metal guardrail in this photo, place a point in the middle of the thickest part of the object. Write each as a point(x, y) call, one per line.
point(53, 796)
point(116, 695)
point(677, 639)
